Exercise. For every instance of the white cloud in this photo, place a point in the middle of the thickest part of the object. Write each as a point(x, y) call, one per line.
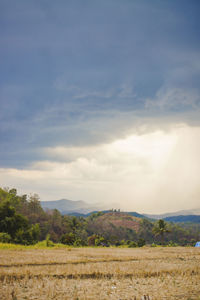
point(153, 172)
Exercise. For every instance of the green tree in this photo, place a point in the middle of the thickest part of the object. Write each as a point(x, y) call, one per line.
point(141, 242)
point(17, 226)
point(160, 229)
point(5, 237)
point(68, 238)
point(10, 221)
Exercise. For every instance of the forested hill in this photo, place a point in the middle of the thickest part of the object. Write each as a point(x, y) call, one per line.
point(187, 218)
point(23, 220)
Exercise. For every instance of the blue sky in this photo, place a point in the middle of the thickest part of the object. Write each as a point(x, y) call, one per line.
point(86, 74)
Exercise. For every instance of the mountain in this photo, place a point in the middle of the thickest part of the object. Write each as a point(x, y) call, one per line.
point(66, 206)
point(84, 209)
point(172, 214)
point(183, 219)
point(79, 208)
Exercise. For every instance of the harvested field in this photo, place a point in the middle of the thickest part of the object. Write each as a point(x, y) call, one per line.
point(100, 273)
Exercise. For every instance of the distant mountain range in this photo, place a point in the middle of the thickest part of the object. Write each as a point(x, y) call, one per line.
point(81, 208)
point(66, 206)
point(78, 208)
point(172, 214)
point(183, 219)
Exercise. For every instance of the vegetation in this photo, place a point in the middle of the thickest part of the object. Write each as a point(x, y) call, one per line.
point(161, 228)
point(41, 261)
point(180, 219)
point(23, 221)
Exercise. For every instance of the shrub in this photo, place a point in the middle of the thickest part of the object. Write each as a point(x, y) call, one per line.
point(141, 242)
point(49, 243)
point(77, 243)
point(172, 244)
point(5, 237)
point(91, 240)
point(132, 244)
point(68, 238)
point(99, 241)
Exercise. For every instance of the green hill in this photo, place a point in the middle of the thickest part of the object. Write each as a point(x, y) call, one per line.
point(23, 220)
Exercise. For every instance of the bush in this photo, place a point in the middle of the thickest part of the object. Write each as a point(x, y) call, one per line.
point(172, 244)
point(99, 241)
point(5, 237)
point(49, 243)
point(68, 238)
point(132, 244)
point(141, 242)
point(78, 243)
point(27, 237)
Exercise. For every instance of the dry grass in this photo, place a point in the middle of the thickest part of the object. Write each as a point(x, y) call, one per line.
point(99, 273)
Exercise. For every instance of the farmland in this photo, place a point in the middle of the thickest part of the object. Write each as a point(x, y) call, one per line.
point(100, 273)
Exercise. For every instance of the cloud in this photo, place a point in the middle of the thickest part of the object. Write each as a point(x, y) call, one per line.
point(175, 99)
point(79, 82)
point(152, 172)
point(123, 91)
point(72, 123)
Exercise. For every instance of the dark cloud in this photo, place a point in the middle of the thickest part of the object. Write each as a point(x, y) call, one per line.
point(87, 72)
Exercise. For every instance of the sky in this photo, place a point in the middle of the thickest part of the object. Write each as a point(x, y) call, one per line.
point(100, 101)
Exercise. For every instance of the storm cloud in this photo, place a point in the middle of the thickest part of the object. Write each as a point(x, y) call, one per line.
point(80, 77)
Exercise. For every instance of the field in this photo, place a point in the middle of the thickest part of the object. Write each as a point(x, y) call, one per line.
point(100, 273)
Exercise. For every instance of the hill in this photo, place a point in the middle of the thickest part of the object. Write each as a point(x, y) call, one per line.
point(118, 220)
point(183, 219)
point(23, 220)
point(77, 214)
point(173, 214)
point(115, 226)
point(83, 209)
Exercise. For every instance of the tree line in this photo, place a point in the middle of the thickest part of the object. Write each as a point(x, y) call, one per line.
point(24, 221)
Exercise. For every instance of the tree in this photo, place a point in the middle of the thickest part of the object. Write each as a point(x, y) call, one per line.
point(91, 240)
point(160, 228)
point(10, 221)
point(17, 226)
point(5, 237)
point(141, 242)
point(68, 238)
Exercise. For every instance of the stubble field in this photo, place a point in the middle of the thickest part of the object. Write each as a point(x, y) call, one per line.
point(100, 273)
